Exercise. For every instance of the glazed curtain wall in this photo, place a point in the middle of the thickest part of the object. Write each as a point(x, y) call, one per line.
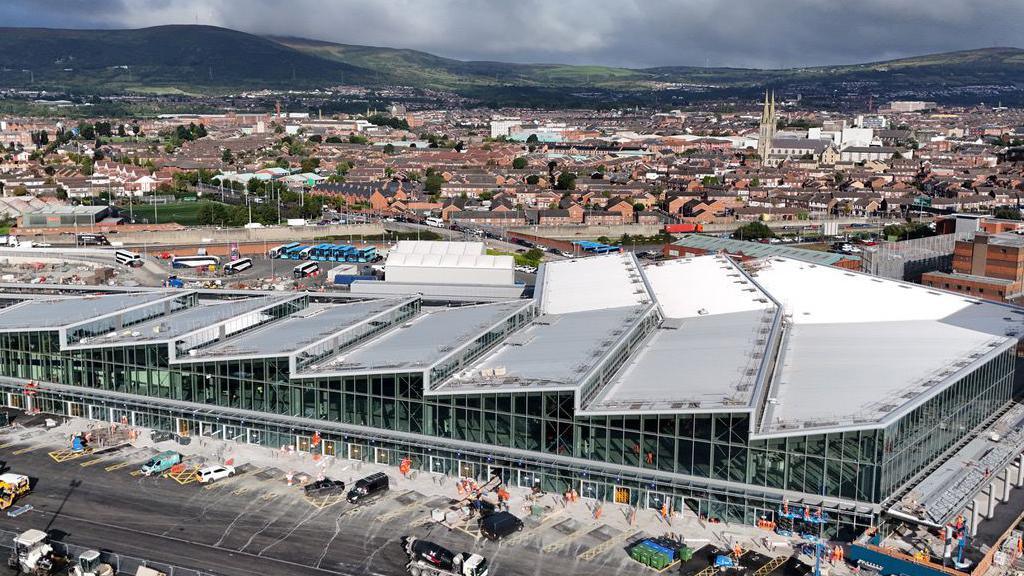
point(849, 465)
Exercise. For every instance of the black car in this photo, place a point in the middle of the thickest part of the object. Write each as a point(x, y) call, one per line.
point(499, 525)
point(325, 487)
point(370, 486)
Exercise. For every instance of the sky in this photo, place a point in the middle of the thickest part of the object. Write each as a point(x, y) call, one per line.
point(633, 33)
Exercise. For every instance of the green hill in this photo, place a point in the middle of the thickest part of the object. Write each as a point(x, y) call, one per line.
point(206, 59)
point(183, 57)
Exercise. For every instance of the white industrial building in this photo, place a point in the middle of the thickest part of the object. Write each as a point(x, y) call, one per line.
point(445, 268)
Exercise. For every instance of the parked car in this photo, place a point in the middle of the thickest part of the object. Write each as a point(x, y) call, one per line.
point(372, 485)
point(214, 472)
point(160, 463)
point(325, 487)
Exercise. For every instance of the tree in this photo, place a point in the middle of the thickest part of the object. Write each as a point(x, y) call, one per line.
point(86, 131)
point(519, 163)
point(309, 164)
point(532, 138)
point(639, 207)
point(433, 182)
point(357, 139)
point(532, 179)
point(227, 156)
point(1007, 213)
point(753, 231)
point(389, 148)
point(566, 181)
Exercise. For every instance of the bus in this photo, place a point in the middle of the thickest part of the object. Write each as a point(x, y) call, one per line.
point(92, 240)
point(128, 258)
point(306, 269)
point(194, 261)
point(296, 252)
point(363, 255)
point(322, 252)
point(434, 222)
point(279, 251)
point(236, 266)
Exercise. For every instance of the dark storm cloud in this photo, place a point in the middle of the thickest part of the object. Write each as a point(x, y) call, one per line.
point(746, 33)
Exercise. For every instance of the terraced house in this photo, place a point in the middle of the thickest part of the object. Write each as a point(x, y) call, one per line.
point(694, 383)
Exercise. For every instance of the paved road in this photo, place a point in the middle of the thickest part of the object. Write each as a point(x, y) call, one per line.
point(253, 525)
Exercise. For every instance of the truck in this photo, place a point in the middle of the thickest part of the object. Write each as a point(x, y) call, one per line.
point(32, 554)
point(90, 564)
point(429, 559)
point(12, 487)
point(683, 228)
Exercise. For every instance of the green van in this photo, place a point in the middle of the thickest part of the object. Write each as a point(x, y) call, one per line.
point(160, 463)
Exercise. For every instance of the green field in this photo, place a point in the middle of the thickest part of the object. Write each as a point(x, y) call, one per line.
point(184, 213)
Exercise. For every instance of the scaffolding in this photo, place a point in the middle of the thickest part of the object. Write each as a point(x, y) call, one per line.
point(908, 259)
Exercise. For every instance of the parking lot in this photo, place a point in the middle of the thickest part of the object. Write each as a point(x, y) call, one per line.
point(254, 518)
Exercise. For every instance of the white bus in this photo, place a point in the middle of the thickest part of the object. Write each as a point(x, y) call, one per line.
point(194, 261)
point(434, 222)
point(278, 251)
point(128, 258)
point(236, 266)
point(306, 269)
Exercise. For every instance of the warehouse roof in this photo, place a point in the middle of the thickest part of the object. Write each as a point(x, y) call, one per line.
point(713, 342)
point(295, 331)
point(437, 247)
point(397, 260)
point(422, 340)
point(865, 350)
point(188, 319)
point(759, 250)
point(43, 314)
point(592, 283)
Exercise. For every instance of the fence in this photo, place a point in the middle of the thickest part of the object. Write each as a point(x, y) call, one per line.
point(121, 563)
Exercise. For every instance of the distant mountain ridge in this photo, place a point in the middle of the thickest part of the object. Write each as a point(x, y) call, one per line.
point(208, 59)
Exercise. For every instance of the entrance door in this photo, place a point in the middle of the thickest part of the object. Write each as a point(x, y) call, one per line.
point(528, 478)
point(655, 500)
point(16, 401)
point(184, 427)
point(303, 443)
point(382, 456)
point(438, 465)
point(329, 448)
point(355, 452)
point(591, 490)
point(622, 495)
point(467, 469)
point(76, 409)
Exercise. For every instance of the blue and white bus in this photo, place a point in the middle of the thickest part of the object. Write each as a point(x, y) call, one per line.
point(194, 261)
point(279, 251)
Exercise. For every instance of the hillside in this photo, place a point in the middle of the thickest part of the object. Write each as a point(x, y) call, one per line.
point(182, 57)
point(206, 59)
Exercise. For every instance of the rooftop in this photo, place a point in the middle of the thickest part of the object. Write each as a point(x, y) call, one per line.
point(593, 283)
point(849, 332)
point(49, 314)
point(423, 340)
point(296, 331)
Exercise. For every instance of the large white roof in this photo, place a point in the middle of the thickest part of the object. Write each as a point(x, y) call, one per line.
point(437, 247)
point(862, 349)
point(416, 260)
point(703, 286)
point(594, 283)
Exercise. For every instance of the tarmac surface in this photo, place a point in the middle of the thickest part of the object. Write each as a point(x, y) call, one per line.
point(254, 523)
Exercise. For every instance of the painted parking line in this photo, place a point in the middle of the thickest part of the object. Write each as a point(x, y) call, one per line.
point(2, 446)
point(117, 466)
point(26, 450)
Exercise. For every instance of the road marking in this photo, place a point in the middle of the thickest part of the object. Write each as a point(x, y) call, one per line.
point(117, 466)
point(136, 473)
point(240, 491)
point(92, 462)
point(26, 450)
point(601, 548)
point(6, 445)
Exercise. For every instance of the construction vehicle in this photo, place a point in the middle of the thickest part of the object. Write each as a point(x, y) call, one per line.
point(12, 486)
point(429, 559)
point(32, 554)
point(89, 564)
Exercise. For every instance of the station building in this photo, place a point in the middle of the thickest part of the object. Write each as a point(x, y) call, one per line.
point(701, 383)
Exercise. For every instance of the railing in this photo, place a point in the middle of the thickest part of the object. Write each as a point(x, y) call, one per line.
point(122, 564)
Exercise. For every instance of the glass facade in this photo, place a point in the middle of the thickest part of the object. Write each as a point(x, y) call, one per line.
point(707, 462)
